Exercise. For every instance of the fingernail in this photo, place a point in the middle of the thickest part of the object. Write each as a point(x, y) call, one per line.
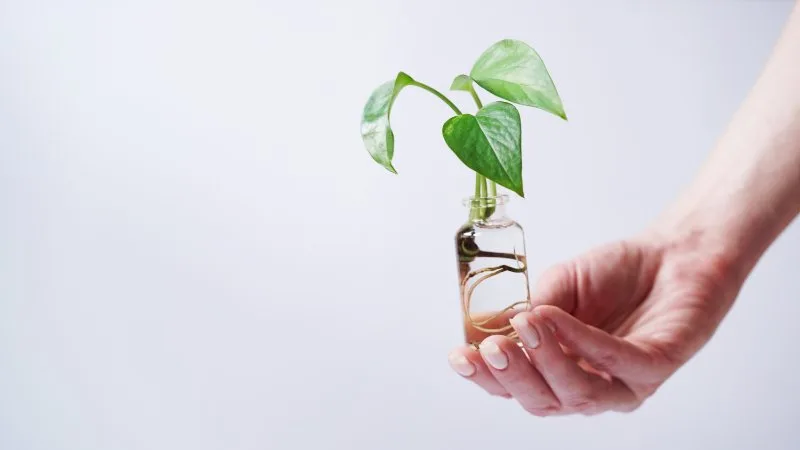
point(461, 364)
point(526, 332)
point(547, 322)
point(493, 355)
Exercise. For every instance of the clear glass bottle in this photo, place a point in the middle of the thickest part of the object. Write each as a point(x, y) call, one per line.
point(492, 268)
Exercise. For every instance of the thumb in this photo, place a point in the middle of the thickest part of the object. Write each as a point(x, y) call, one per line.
point(557, 286)
point(610, 354)
point(591, 286)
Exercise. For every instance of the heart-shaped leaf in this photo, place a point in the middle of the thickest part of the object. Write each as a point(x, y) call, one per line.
point(376, 131)
point(489, 143)
point(512, 70)
point(462, 83)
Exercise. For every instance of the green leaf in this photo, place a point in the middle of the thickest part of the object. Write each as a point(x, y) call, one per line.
point(512, 70)
point(489, 143)
point(462, 83)
point(376, 131)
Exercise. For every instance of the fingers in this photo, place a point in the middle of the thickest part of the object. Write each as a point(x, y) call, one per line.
point(544, 378)
point(467, 362)
point(511, 368)
point(576, 389)
point(603, 351)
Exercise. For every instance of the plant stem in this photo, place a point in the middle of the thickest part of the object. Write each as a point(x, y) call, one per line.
point(438, 94)
point(492, 190)
point(475, 97)
point(480, 181)
point(480, 184)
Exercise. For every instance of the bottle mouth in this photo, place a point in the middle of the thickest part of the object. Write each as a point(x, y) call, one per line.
point(482, 202)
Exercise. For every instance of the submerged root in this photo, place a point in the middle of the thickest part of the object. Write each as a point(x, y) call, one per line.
point(481, 275)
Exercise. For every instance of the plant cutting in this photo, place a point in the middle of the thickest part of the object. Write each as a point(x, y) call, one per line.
point(490, 246)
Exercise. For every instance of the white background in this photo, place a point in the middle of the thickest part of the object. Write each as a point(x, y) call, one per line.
point(196, 252)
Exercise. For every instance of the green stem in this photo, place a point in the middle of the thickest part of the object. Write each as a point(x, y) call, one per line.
point(438, 94)
point(475, 97)
point(492, 190)
point(480, 187)
point(477, 212)
point(481, 190)
point(480, 194)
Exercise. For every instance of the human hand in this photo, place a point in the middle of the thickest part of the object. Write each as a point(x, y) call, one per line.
point(607, 328)
point(628, 315)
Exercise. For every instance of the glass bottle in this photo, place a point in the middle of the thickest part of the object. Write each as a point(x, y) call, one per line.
point(492, 268)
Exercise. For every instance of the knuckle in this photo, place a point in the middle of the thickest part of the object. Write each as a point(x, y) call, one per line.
point(541, 411)
point(606, 362)
point(648, 389)
point(581, 402)
point(583, 406)
point(629, 407)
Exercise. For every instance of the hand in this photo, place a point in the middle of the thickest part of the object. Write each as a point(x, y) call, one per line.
point(606, 329)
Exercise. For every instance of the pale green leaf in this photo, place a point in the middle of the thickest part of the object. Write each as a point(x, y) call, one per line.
point(376, 130)
point(462, 83)
point(512, 70)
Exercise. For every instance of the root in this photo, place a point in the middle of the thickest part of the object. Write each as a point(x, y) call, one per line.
point(483, 275)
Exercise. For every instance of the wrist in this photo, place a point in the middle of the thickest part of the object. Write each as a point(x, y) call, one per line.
point(714, 248)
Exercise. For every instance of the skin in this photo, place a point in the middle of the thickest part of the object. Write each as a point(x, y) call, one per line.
point(609, 327)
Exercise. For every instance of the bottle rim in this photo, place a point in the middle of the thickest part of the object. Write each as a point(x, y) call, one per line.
point(488, 201)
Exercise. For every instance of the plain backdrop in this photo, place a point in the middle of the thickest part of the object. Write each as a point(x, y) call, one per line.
point(196, 251)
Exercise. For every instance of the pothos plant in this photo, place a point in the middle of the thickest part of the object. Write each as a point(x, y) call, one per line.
point(490, 141)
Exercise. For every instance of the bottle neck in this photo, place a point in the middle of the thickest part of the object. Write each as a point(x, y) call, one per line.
point(487, 210)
